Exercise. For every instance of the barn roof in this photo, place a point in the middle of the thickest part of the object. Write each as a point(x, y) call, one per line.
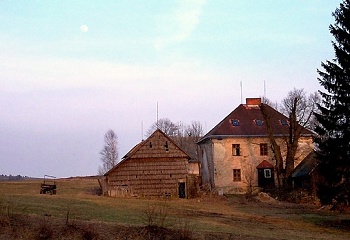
point(136, 151)
point(247, 120)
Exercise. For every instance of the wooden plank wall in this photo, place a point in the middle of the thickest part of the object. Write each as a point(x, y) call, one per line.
point(148, 176)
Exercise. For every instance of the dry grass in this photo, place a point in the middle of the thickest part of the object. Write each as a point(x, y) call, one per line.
point(76, 212)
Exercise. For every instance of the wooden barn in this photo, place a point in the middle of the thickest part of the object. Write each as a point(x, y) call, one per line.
point(156, 167)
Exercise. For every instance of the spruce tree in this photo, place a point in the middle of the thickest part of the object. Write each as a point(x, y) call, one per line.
point(333, 129)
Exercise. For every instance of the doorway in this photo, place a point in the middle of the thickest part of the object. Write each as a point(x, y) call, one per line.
point(266, 178)
point(182, 190)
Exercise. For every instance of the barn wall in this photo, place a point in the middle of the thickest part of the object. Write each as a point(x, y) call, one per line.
point(193, 184)
point(148, 177)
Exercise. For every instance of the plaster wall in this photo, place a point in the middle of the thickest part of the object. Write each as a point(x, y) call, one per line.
point(224, 162)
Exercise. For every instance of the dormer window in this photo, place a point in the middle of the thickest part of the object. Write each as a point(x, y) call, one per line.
point(284, 122)
point(235, 122)
point(259, 122)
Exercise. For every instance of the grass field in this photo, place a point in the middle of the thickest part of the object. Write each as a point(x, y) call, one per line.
point(210, 217)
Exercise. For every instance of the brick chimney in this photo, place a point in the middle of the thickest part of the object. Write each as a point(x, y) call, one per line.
point(253, 101)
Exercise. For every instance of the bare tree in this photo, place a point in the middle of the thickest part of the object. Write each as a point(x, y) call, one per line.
point(195, 129)
point(274, 146)
point(304, 105)
point(268, 101)
point(165, 125)
point(249, 178)
point(299, 108)
point(109, 153)
point(185, 136)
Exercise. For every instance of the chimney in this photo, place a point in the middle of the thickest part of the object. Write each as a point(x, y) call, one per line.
point(253, 101)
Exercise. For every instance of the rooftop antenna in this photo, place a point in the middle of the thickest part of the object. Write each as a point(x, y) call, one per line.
point(141, 130)
point(241, 92)
point(157, 115)
point(264, 90)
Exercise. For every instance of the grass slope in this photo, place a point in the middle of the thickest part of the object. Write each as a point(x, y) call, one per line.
point(77, 211)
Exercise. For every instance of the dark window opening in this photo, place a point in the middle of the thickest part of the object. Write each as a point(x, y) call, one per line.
point(259, 122)
point(150, 145)
point(236, 150)
point(284, 122)
point(263, 149)
point(236, 175)
point(166, 146)
point(235, 122)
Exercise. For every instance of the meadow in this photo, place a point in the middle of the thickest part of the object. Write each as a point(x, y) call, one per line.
point(78, 212)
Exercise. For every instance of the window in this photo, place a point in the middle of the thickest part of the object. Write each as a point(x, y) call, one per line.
point(284, 122)
point(259, 122)
point(235, 122)
point(166, 146)
point(236, 150)
point(236, 175)
point(267, 173)
point(263, 149)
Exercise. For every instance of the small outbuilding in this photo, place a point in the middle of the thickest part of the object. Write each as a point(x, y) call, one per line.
point(156, 167)
point(305, 175)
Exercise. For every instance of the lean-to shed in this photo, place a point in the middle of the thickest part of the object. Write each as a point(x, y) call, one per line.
point(155, 167)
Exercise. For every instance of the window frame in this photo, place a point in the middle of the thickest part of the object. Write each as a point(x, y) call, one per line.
point(284, 122)
point(236, 149)
point(237, 175)
point(259, 122)
point(264, 149)
point(234, 122)
point(267, 173)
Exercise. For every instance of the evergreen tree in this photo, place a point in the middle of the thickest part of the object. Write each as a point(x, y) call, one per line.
point(333, 128)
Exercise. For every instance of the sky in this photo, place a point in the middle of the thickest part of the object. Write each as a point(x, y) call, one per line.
point(72, 70)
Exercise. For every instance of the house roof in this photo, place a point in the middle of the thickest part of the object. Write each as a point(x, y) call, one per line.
point(306, 166)
point(134, 152)
point(247, 120)
point(265, 164)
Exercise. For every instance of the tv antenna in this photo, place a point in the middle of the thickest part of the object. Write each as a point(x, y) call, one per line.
point(157, 115)
point(241, 92)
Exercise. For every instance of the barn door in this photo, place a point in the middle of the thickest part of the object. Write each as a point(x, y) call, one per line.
point(182, 190)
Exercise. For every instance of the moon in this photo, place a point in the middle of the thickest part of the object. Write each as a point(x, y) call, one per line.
point(84, 28)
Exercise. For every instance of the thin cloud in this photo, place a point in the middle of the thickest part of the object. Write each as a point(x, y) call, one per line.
point(179, 25)
point(34, 73)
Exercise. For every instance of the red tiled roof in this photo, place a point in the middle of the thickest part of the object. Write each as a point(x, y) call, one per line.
point(265, 164)
point(247, 116)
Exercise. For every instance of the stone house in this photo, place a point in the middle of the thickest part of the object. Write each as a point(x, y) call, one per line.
point(237, 154)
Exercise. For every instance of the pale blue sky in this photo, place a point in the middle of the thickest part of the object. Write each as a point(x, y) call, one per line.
point(62, 88)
